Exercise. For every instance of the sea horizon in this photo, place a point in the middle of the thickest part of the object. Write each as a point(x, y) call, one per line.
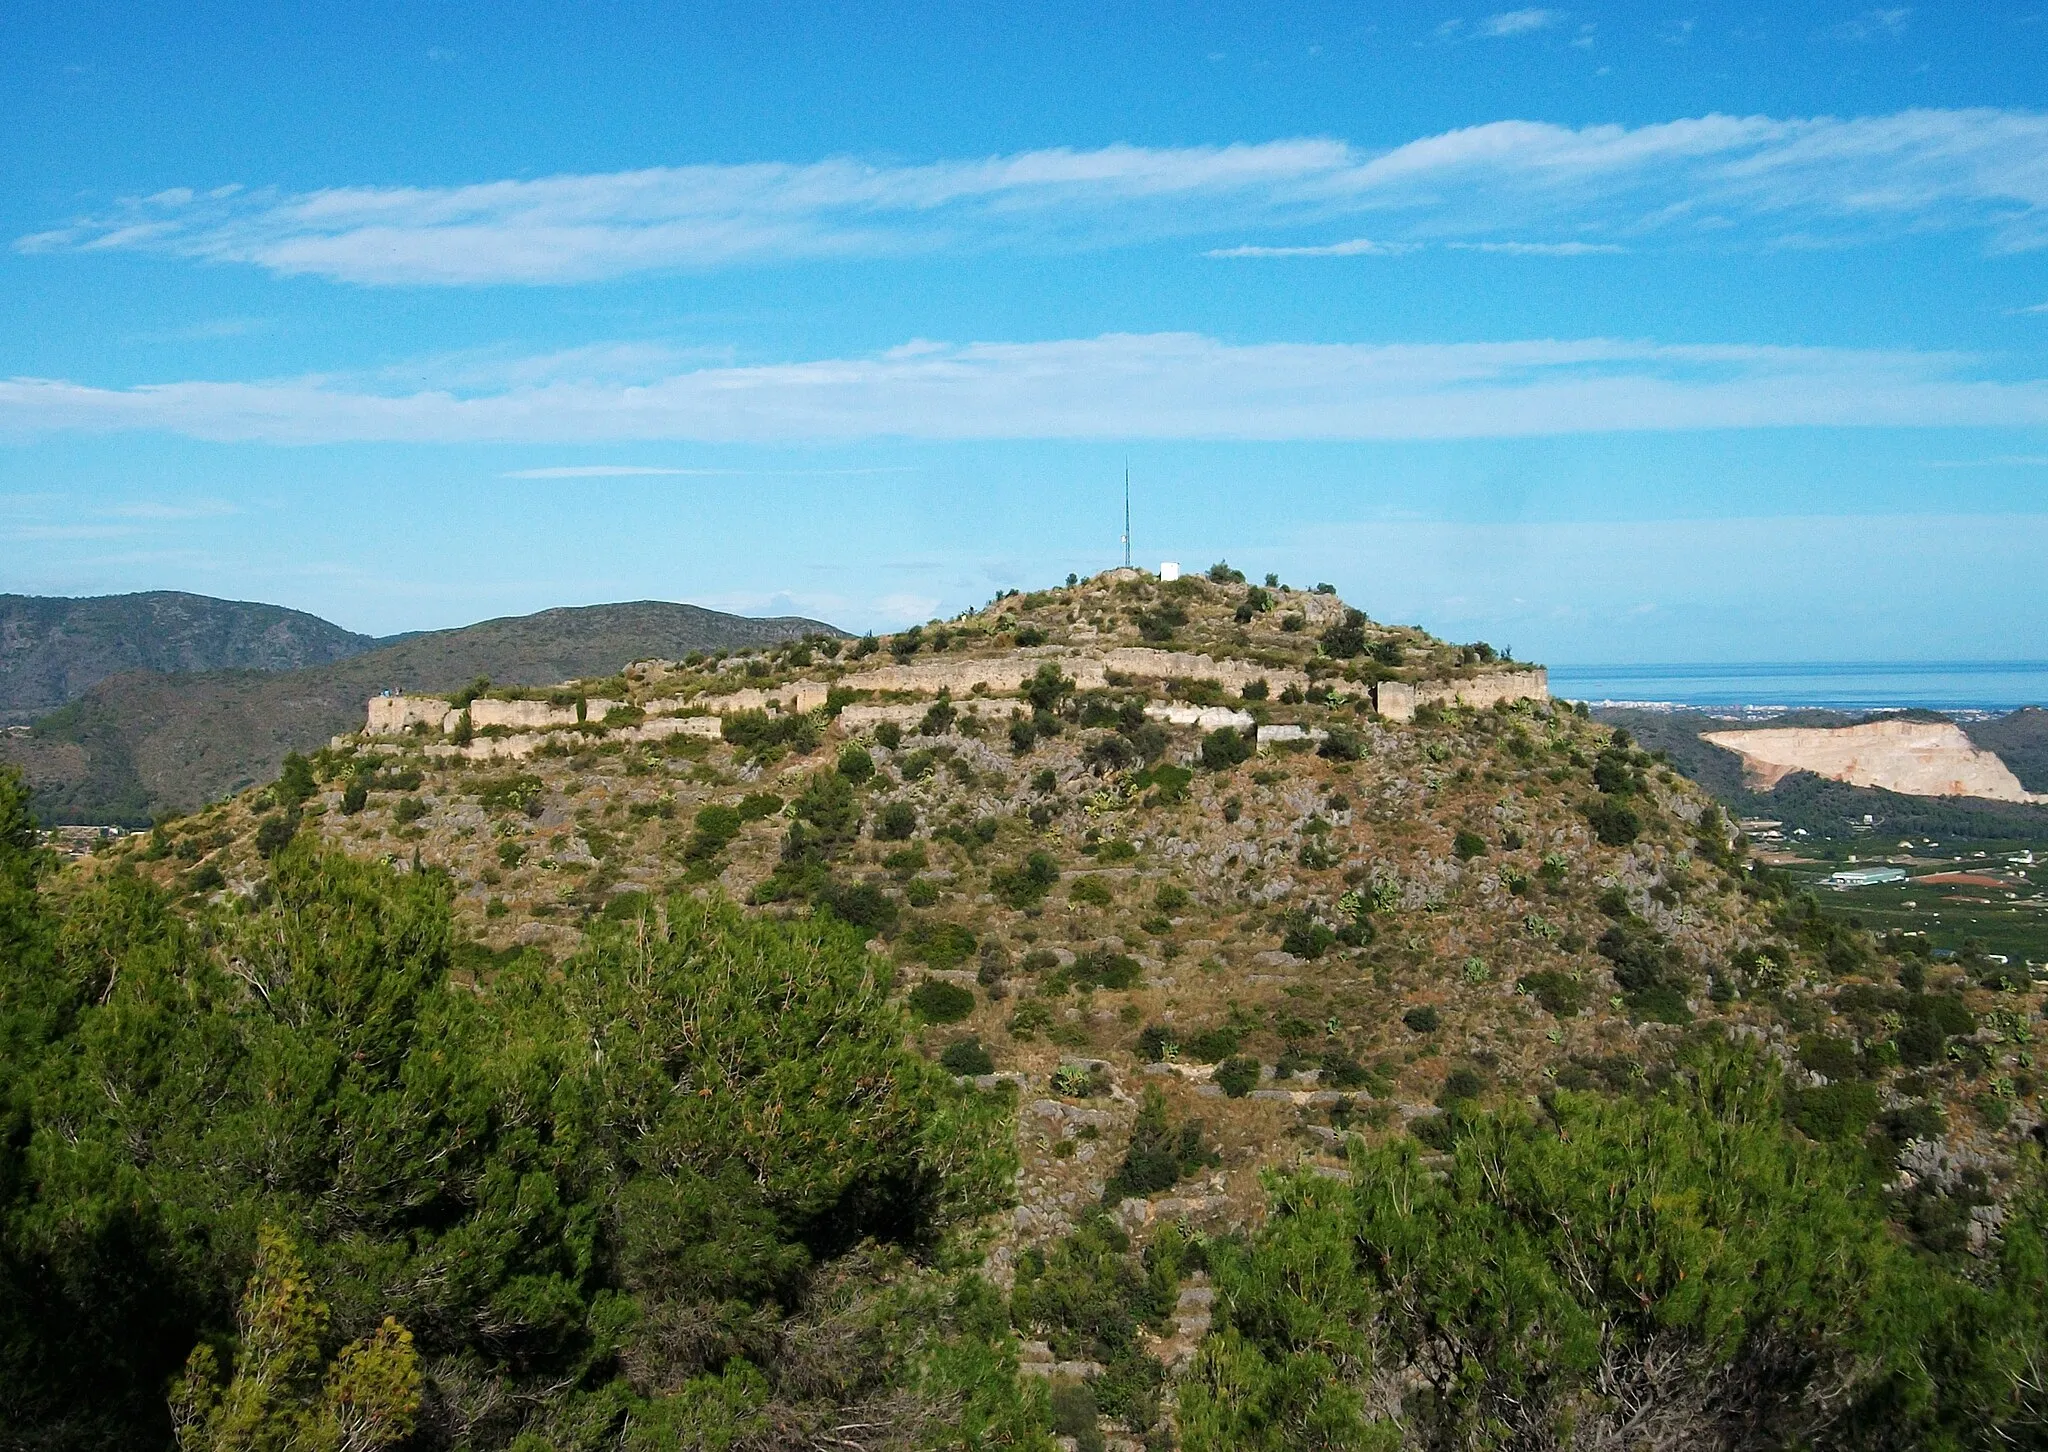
point(1961, 686)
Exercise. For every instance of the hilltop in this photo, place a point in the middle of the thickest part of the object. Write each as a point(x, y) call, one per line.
point(54, 649)
point(1185, 1011)
point(142, 744)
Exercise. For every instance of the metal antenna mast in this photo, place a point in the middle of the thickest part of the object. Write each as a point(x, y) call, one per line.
point(1127, 514)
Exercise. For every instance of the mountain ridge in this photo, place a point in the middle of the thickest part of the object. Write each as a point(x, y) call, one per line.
point(55, 648)
point(139, 744)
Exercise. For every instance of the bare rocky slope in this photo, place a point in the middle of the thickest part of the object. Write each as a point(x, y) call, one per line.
point(54, 649)
point(141, 744)
point(1914, 757)
point(1262, 907)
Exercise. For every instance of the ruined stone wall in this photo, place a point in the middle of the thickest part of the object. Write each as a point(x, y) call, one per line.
point(1006, 675)
point(395, 715)
point(523, 715)
point(1203, 718)
point(1397, 700)
point(514, 748)
point(795, 698)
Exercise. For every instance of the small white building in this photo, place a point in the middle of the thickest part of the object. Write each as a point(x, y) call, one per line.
point(1850, 877)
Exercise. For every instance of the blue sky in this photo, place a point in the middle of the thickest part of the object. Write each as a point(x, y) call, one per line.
point(1623, 333)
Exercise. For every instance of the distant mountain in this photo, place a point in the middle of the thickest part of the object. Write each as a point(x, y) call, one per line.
point(1836, 809)
point(54, 649)
point(140, 744)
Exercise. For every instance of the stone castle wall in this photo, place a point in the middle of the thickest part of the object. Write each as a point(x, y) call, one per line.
point(530, 721)
point(1397, 700)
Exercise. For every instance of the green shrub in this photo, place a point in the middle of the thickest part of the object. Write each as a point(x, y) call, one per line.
point(968, 1057)
point(1306, 936)
point(519, 793)
point(855, 764)
point(1423, 1019)
point(1026, 884)
point(940, 945)
point(937, 1001)
point(1090, 890)
point(714, 828)
point(1161, 1152)
point(1226, 747)
point(407, 809)
point(1461, 1083)
point(920, 892)
point(1213, 1046)
point(1101, 968)
point(1830, 1057)
point(355, 796)
point(1835, 1111)
point(895, 822)
point(1659, 1003)
point(1561, 994)
point(274, 833)
point(1341, 743)
point(1170, 898)
point(1614, 822)
point(863, 904)
point(1467, 845)
point(756, 806)
point(1156, 1043)
point(1238, 1076)
point(1165, 786)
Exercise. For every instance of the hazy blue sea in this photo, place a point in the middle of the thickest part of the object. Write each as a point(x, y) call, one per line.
point(1848, 685)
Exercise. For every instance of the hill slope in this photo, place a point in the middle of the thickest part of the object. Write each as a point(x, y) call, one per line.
point(54, 649)
point(1324, 1046)
point(140, 744)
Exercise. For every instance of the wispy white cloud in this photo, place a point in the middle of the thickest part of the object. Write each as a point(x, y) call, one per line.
point(1850, 178)
point(1366, 247)
point(1356, 247)
point(1166, 386)
point(1516, 22)
point(1541, 249)
point(1875, 24)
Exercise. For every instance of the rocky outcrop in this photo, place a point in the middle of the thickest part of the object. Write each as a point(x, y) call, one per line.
point(1914, 758)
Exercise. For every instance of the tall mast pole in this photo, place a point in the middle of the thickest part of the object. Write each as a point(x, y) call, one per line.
point(1127, 514)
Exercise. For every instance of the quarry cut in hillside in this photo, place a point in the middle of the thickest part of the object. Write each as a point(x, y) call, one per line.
point(1916, 758)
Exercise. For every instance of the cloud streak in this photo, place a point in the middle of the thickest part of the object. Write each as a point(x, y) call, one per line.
point(1119, 386)
point(1839, 179)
